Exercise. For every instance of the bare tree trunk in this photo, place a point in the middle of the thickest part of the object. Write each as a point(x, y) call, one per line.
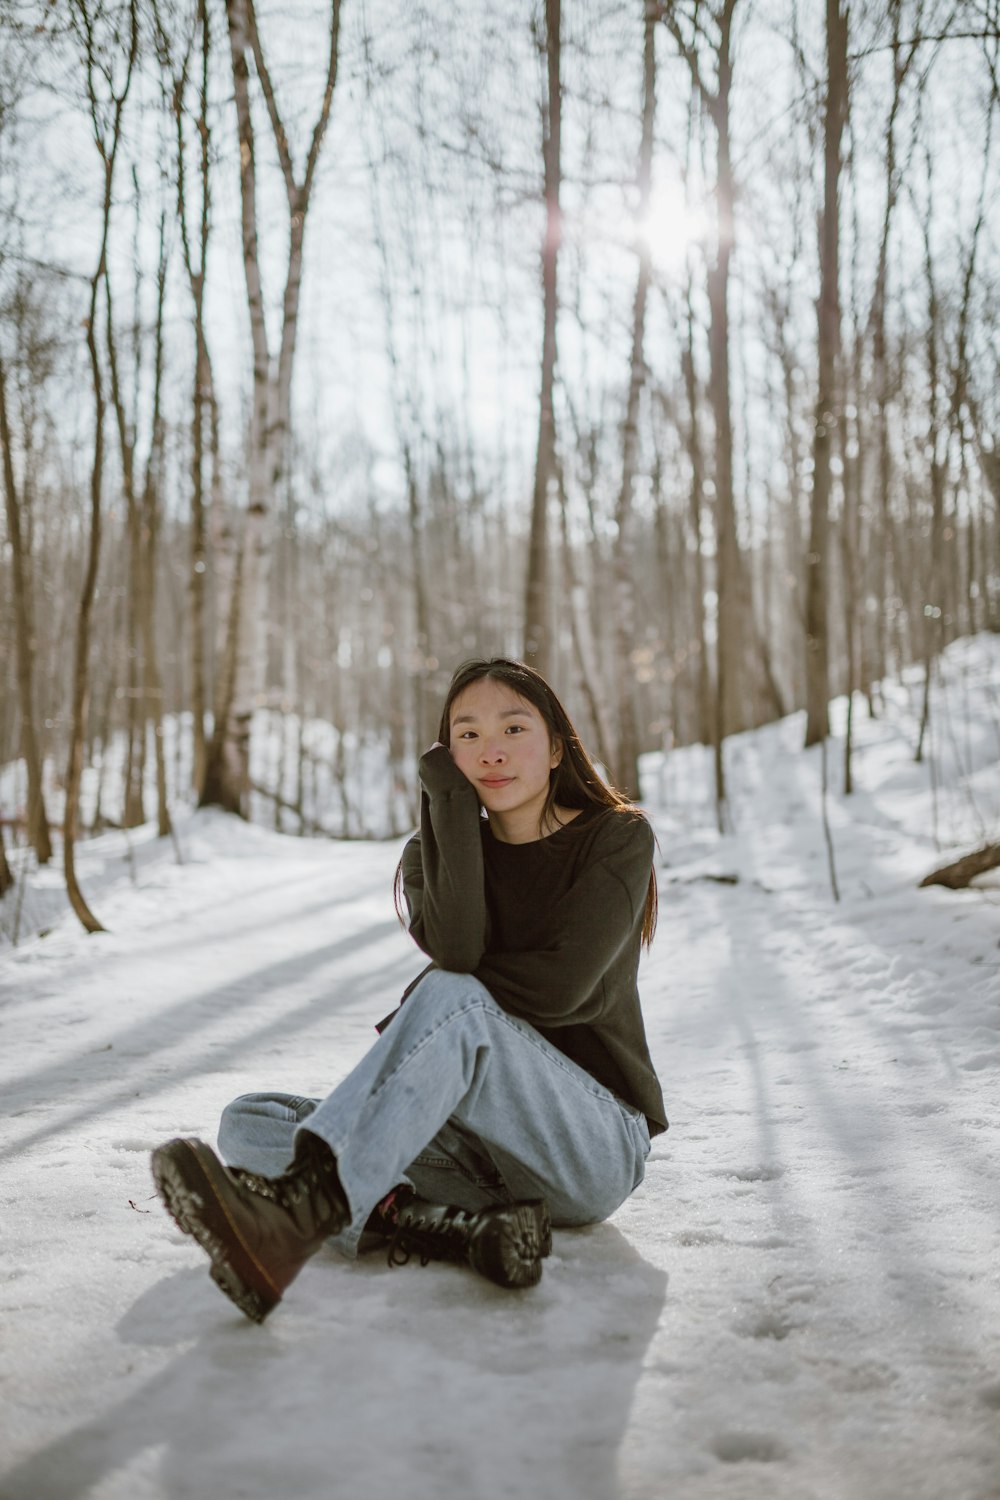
point(988, 450)
point(959, 413)
point(731, 645)
point(851, 553)
point(108, 137)
point(199, 558)
point(586, 664)
point(223, 771)
point(24, 630)
point(227, 773)
point(672, 587)
point(705, 730)
point(627, 761)
point(133, 813)
point(730, 675)
point(537, 612)
point(426, 711)
point(203, 396)
point(827, 424)
point(884, 553)
point(731, 650)
point(153, 684)
point(933, 593)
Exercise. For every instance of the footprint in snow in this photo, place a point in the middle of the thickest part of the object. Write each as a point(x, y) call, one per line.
point(982, 1060)
point(770, 1325)
point(750, 1174)
point(689, 1237)
point(748, 1447)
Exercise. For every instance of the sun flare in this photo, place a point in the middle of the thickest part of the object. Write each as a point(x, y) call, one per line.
point(671, 226)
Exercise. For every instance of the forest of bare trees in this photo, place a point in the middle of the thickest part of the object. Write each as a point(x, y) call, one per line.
point(657, 343)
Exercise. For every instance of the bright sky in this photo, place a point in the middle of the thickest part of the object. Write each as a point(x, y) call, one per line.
point(435, 136)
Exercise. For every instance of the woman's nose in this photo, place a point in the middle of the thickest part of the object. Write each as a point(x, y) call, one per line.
point(491, 752)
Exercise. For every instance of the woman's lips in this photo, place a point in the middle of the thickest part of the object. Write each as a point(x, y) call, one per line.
point(495, 780)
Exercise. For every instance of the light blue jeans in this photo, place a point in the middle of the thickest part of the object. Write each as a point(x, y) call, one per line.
point(468, 1104)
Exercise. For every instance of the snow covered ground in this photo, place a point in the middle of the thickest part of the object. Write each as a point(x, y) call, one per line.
point(801, 1303)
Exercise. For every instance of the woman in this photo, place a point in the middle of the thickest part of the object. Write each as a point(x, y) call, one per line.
point(513, 1089)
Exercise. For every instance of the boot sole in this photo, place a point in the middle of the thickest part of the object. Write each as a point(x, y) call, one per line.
point(513, 1257)
point(192, 1202)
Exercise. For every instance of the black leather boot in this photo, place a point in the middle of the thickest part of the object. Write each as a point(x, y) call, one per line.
point(507, 1243)
point(258, 1232)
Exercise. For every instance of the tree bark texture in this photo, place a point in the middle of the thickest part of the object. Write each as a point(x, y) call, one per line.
point(730, 653)
point(203, 395)
point(957, 875)
point(149, 536)
point(827, 423)
point(933, 591)
point(108, 140)
point(38, 827)
point(584, 654)
point(626, 622)
point(538, 614)
point(885, 545)
point(730, 648)
point(81, 662)
point(703, 691)
point(227, 778)
point(133, 813)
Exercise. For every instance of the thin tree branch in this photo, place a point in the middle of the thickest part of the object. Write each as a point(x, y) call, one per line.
point(296, 195)
point(923, 41)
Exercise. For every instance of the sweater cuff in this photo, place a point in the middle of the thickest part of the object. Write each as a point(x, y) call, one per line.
point(439, 773)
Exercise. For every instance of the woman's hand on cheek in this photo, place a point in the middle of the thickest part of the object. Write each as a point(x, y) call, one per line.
point(440, 745)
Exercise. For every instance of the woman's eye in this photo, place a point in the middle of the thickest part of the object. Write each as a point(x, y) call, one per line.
point(515, 728)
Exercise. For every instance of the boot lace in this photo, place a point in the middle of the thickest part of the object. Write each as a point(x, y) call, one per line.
point(288, 1191)
point(423, 1236)
point(263, 1187)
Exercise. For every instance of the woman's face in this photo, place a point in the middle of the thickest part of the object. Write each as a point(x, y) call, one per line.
point(500, 742)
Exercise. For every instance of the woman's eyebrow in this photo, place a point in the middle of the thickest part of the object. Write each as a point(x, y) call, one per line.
point(507, 713)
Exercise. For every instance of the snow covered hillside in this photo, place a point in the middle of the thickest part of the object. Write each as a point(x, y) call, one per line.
point(801, 1303)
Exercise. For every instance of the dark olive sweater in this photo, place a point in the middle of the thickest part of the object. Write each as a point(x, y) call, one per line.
point(552, 928)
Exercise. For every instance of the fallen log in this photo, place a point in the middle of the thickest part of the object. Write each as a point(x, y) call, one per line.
point(956, 876)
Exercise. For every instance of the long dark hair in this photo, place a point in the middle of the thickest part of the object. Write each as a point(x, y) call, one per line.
point(574, 782)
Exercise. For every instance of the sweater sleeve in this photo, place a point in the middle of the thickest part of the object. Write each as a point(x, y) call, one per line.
point(443, 867)
point(592, 925)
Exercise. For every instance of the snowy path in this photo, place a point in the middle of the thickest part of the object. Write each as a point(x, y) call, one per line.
point(802, 1301)
point(833, 1220)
